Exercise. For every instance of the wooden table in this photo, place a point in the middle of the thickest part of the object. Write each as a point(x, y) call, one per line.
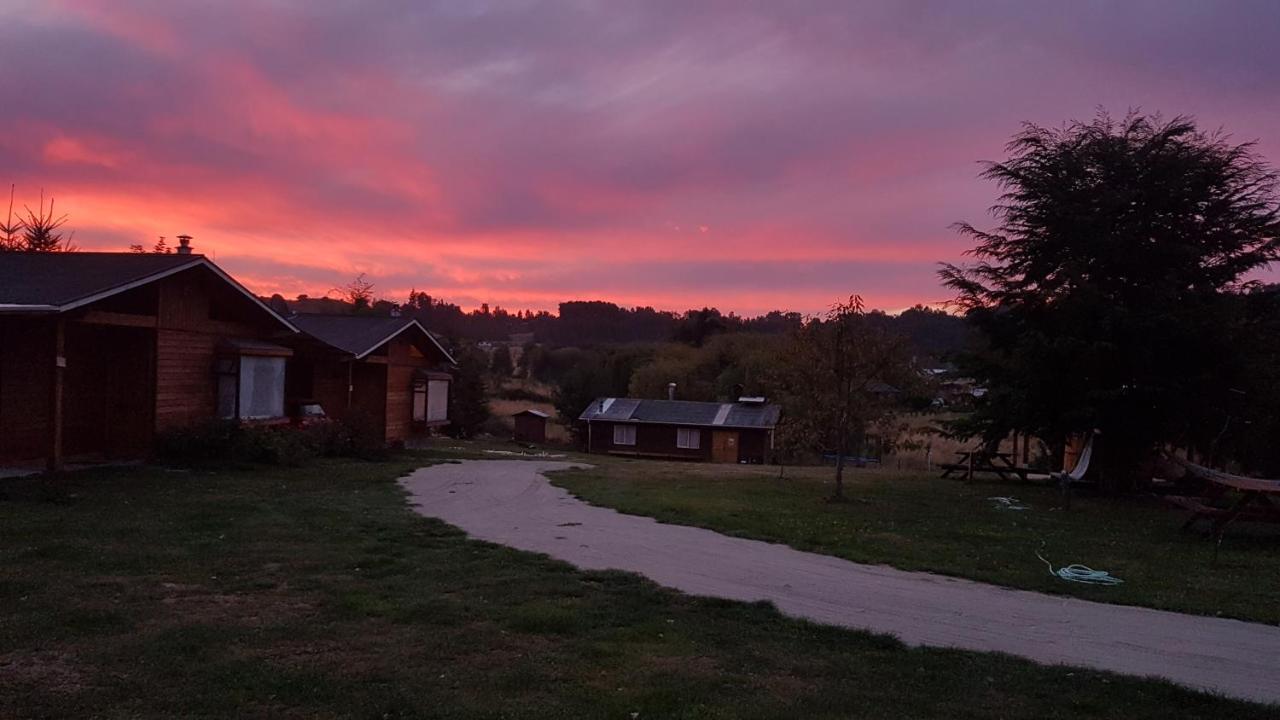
point(1259, 500)
point(975, 461)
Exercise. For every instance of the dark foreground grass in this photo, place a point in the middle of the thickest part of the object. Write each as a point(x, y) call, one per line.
point(316, 593)
point(916, 521)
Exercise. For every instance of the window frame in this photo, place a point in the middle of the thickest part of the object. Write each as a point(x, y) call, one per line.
point(683, 444)
point(627, 429)
point(229, 367)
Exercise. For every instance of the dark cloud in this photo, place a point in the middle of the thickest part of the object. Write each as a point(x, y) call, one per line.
point(508, 147)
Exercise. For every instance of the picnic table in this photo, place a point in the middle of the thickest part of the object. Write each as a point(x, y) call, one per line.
point(1258, 500)
point(969, 462)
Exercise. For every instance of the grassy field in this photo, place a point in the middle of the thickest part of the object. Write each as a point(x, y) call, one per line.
point(316, 593)
point(917, 521)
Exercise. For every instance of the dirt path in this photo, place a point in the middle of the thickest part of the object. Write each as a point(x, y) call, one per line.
point(510, 502)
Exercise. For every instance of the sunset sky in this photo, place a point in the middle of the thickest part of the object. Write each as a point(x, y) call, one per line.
point(745, 155)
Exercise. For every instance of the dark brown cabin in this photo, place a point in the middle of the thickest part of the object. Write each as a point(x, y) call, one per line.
point(530, 426)
point(100, 351)
point(733, 432)
point(386, 372)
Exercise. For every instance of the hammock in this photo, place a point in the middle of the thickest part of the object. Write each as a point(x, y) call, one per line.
point(1240, 482)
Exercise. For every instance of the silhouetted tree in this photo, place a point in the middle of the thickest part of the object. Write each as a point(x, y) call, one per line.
point(831, 381)
point(11, 230)
point(501, 362)
point(1105, 294)
point(358, 292)
point(41, 230)
point(468, 397)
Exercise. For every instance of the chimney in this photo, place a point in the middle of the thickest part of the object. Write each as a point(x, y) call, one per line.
point(184, 244)
point(671, 391)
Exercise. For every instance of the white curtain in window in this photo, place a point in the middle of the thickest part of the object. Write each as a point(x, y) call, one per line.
point(437, 400)
point(688, 438)
point(261, 387)
point(624, 434)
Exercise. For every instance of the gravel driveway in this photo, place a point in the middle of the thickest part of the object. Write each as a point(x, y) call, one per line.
point(510, 502)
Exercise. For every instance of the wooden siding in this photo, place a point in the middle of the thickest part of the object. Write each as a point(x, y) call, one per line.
point(195, 312)
point(659, 441)
point(402, 359)
point(26, 368)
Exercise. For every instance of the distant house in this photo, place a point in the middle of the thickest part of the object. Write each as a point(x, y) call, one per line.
point(731, 432)
point(100, 351)
point(388, 372)
point(530, 426)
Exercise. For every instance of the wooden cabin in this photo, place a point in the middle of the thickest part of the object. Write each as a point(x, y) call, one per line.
point(100, 351)
point(731, 432)
point(530, 426)
point(388, 373)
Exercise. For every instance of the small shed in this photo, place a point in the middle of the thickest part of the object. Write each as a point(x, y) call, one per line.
point(531, 426)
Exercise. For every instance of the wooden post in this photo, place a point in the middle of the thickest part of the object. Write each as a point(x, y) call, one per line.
point(55, 397)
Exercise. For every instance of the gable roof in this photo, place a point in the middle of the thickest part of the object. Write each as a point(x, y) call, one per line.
point(36, 282)
point(683, 412)
point(360, 335)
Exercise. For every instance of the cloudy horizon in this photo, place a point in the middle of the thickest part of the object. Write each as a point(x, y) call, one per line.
point(741, 155)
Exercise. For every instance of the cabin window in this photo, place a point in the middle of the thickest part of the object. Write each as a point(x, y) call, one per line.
point(624, 434)
point(688, 438)
point(437, 400)
point(250, 387)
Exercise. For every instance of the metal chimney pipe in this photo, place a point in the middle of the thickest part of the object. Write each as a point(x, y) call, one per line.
point(184, 244)
point(671, 391)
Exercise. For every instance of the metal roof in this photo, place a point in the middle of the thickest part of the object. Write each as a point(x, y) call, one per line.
point(360, 335)
point(55, 282)
point(535, 413)
point(683, 412)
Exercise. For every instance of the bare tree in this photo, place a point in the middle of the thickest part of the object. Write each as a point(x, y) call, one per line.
point(358, 292)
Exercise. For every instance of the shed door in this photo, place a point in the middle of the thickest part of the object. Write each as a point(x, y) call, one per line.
point(724, 446)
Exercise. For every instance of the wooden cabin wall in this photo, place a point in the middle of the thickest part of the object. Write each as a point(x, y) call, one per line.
point(107, 392)
point(26, 370)
point(651, 441)
point(191, 320)
point(402, 359)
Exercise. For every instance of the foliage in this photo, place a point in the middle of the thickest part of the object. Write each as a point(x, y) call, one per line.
point(41, 231)
point(519, 392)
point(1104, 295)
point(11, 230)
point(468, 398)
point(228, 442)
point(500, 363)
point(724, 368)
point(37, 231)
point(602, 372)
point(358, 292)
point(838, 375)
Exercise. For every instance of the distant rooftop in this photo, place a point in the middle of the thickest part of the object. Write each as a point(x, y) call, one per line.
point(360, 335)
point(683, 412)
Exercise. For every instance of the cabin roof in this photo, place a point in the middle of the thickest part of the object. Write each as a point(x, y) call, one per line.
point(530, 411)
point(55, 282)
point(683, 412)
point(360, 335)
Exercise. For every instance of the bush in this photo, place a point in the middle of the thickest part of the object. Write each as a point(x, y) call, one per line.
point(226, 442)
point(520, 394)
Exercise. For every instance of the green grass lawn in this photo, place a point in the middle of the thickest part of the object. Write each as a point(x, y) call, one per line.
point(916, 521)
point(316, 593)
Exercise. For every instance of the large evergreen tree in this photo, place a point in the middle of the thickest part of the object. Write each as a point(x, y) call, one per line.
point(1106, 293)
